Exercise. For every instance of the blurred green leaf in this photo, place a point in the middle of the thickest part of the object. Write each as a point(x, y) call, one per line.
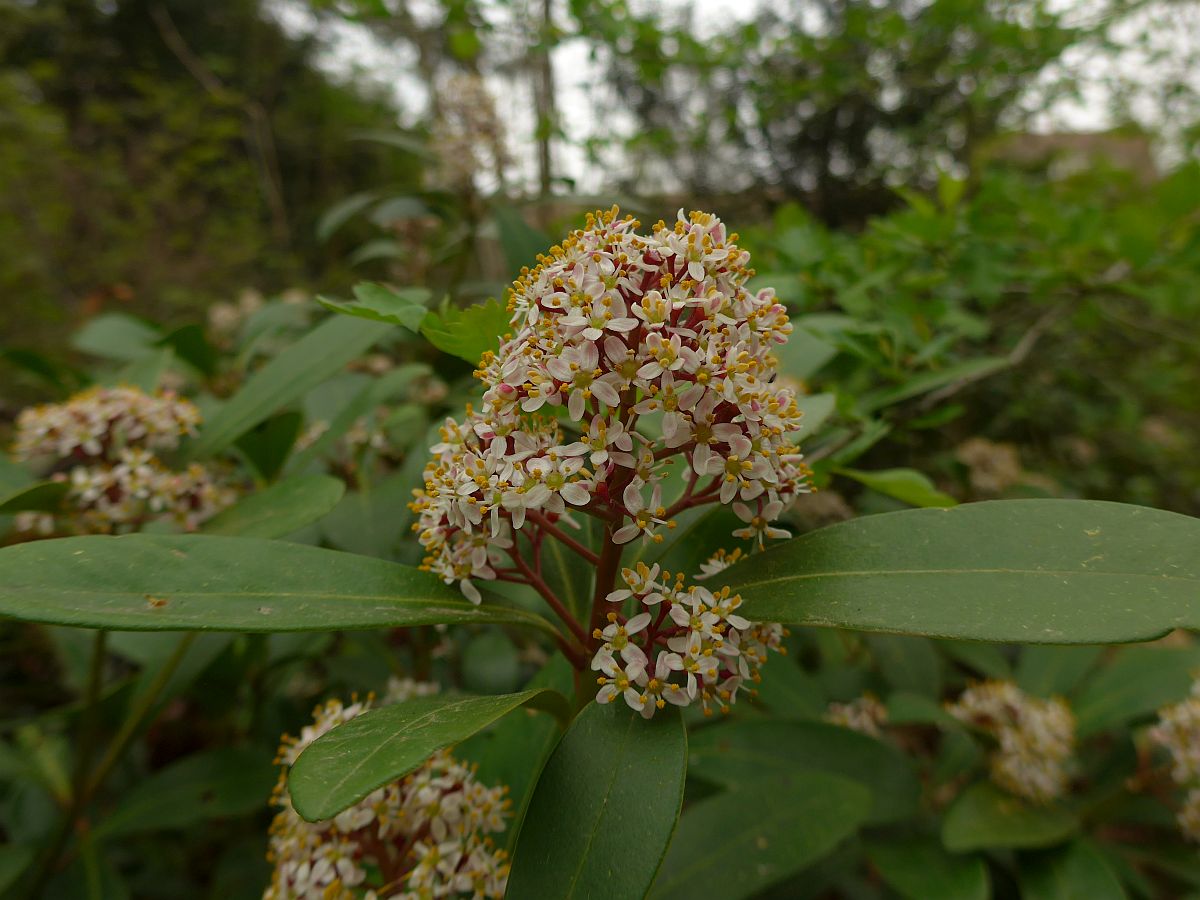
point(45, 496)
point(984, 817)
point(737, 843)
point(467, 333)
point(520, 241)
point(1049, 671)
point(14, 860)
point(380, 303)
point(116, 336)
point(920, 869)
point(277, 511)
point(1138, 681)
point(906, 485)
point(266, 446)
point(1074, 872)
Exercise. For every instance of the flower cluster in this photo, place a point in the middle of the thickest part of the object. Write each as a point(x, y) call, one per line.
point(1035, 737)
point(681, 645)
point(1178, 732)
point(103, 442)
point(649, 347)
point(864, 714)
point(423, 836)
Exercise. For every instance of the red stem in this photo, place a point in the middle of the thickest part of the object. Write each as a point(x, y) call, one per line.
point(562, 536)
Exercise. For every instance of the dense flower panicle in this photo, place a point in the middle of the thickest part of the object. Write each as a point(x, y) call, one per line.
point(864, 714)
point(102, 443)
point(1178, 732)
point(651, 347)
point(423, 836)
point(681, 645)
point(1035, 737)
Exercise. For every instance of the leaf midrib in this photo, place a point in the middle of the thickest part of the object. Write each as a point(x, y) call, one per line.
point(614, 770)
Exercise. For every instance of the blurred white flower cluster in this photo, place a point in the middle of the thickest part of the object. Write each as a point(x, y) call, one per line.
point(468, 136)
point(1035, 737)
point(683, 645)
point(103, 443)
point(421, 837)
point(654, 350)
point(1178, 732)
point(864, 714)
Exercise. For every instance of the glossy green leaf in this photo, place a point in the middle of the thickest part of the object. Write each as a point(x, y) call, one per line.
point(604, 808)
point(344, 765)
point(467, 333)
point(1137, 682)
point(983, 816)
point(732, 754)
point(906, 485)
point(45, 496)
point(279, 510)
point(1053, 571)
point(1074, 872)
point(209, 785)
point(143, 582)
point(740, 842)
point(381, 303)
point(920, 869)
point(286, 378)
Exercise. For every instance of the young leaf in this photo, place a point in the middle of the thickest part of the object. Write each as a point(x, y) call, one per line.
point(604, 808)
point(467, 333)
point(1052, 571)
point(145, 582)
point(741, 842)
point(279, 510)
point(983, 816)
point(1074, 872)
point(341, 767)
point(384, 304)
point(918, 869)
point(733, 754)
point(287, 377)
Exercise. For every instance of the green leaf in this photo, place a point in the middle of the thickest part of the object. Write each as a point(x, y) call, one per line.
point(378, 747)
point(1139, 681)
point(972, 370)
point(14, 859)
point(209, 785)
point(732, 754)
point(286, 378)
point(983, 816)
point(144, 372)
point(514, 751)
point(145, 582)
point(919, 869)
point(741, 842)
point(467, 333)
point(191, 345)
point(906, 485)
point(1074, 872)
point(1052, 571)
point(1050, 671)
point(266, 446)
point(45, 496)
point(342, 212)
point(490, 664)
point(604, 808)
point(279, 510)
point(380, 303)
point(14, 477)
point(520, 241)
point(116, 336)
point(907, 663)
point(790, 692)
point(373, 520)
point(816, 409)
point(985, 659)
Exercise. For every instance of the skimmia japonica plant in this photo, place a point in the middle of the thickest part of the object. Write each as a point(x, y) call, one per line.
point(606, 518)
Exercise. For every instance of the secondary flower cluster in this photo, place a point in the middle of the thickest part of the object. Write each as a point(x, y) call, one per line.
point(421, 837)
point(1178, 732)
point(650, 347)
point(864, 714)
point(1035, 737)
point(682, 645)
point(103, 442)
